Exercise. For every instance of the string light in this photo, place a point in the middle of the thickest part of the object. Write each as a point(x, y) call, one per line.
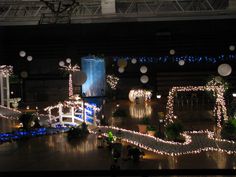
point(112, 81)
point(142, 94)
point(6, 70)
point(174, 59)
point(219, 108)
point(70, 69)
point(188, 140)
point(77, 104)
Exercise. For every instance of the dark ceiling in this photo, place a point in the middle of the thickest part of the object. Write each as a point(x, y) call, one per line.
point(149, 38)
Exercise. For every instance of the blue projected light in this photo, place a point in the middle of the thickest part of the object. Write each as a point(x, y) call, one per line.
point(95, 71)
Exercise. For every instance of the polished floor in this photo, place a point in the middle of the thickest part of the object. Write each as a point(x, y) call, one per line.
point(55, 152)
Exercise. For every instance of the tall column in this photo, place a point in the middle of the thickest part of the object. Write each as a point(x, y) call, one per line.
point(73, 114)
point(60, 113)
point(70, 85)
point(1, 85)
point(8, 91)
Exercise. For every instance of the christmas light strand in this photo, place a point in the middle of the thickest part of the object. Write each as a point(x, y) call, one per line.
point(199, 150)
point(220, 106)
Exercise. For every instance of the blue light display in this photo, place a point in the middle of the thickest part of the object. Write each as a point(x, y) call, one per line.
point(95, 70)
point(186, 58)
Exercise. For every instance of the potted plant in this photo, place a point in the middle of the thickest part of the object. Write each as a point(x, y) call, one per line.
point(151, 130)
point(142, 126)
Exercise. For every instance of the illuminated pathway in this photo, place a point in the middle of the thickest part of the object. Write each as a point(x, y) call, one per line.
point(9, 113)
point(195, 142)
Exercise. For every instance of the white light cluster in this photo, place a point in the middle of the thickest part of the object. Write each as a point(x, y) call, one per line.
point(142, 94)
point(70, 69)
point(220, 107)
point(6, 70)
point(112, 81)
point(188, 140)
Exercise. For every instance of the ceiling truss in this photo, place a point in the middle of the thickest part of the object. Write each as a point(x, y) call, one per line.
point(33, 12)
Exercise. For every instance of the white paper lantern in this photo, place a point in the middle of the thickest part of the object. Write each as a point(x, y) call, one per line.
point(224, 69)
point(231, 47)
point(24, 74)
point(68, 60)
point(79, 78)
point(144, 79)
point(29, 58)
point(134, 60)
point(143, 69)
point(22, 53)
point(181, 62)
point(172, 51)
point(122, 63)
point(121, 69)
point(61, 63)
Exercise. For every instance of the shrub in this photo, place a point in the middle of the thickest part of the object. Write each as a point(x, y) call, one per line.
point(229, 130)
point(173, 131)
point(151, 128)
point(145, 121)
point(80, 131)
point(27, 119)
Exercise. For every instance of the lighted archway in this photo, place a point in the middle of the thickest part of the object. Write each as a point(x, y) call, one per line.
point(219, 108)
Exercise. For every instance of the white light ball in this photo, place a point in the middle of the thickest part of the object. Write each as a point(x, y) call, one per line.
point(22, 53)
point(121, 69)
point(143, 69)
point(181, 62)
point(224, 69)
point(68, 60)
point(79, 78)
point(232, 47)
point(29, 58)
point(144, 79)
point(134, 60)
point(172, 51)
point(61, 63)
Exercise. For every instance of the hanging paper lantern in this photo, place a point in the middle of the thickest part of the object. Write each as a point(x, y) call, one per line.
point(172, 51)
point(22, 53)
point(68, 60)
point(122, 63)
point(224, 69)
point(144, 79)
point(29, 58)
point(143, 69)
point(24, 74)
point(61, 63)
point(134, 60)
point(121, 69)
point(231, 47)
point(79, 78)
point(181, 62)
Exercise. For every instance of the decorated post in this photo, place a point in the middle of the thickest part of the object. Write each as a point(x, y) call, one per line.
point(5, 72)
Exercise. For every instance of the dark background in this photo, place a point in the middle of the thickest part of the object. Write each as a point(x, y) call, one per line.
point(48, 44)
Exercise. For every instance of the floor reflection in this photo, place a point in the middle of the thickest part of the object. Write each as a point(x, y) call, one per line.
point(139, 111)
point(8, 125)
